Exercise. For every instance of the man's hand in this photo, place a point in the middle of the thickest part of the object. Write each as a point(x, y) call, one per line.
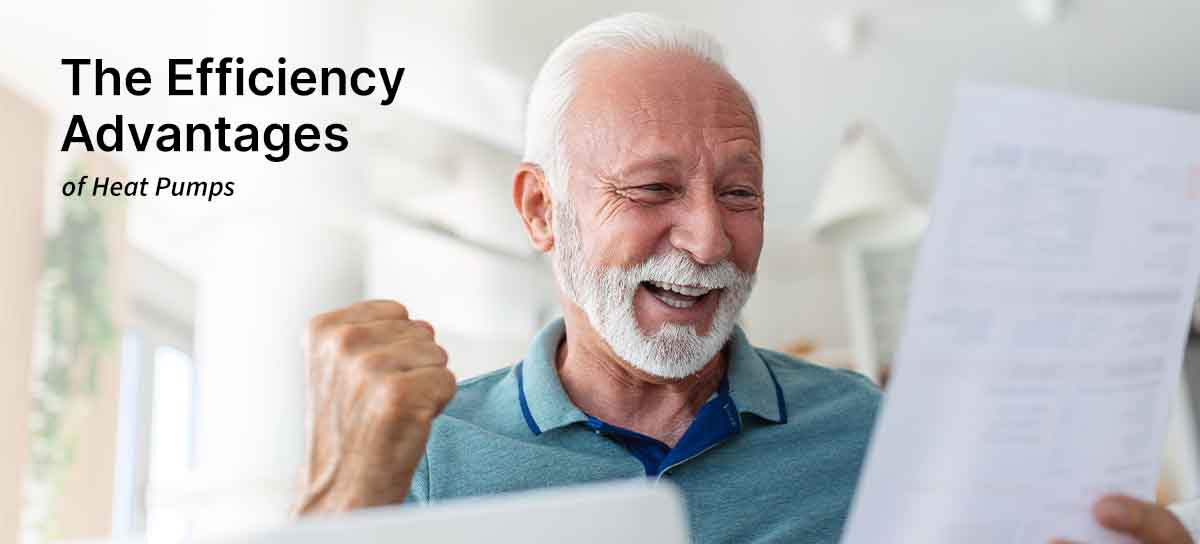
point(376, 381)
point(1147, 522)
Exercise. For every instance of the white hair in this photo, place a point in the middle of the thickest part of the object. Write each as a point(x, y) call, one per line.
point(558, 79)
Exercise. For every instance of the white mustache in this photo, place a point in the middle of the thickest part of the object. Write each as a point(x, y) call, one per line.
point(678, 268)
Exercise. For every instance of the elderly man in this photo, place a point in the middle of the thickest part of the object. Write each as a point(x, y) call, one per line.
point(643, 179)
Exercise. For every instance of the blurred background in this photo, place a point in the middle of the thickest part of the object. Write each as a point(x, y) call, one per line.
point(151, 379)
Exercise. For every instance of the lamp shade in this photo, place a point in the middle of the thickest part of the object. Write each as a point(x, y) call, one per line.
point(866, 198)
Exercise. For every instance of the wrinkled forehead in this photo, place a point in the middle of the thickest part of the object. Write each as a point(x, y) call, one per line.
point(659, 99)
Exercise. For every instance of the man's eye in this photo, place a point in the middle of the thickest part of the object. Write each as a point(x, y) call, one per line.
point(655, 188)
point(741, 193)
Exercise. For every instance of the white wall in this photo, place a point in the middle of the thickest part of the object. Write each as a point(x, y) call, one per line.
point(484, 305)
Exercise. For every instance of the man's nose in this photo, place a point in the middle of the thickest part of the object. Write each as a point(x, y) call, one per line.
point(700, 231)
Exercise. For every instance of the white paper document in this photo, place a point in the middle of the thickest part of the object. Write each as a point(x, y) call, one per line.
point(1049, 310)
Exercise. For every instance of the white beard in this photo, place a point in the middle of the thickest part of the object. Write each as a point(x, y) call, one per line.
point(606, 297)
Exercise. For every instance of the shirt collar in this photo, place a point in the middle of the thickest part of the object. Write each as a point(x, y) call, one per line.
point(545, 405)
point(752, 383)
point(544, 402)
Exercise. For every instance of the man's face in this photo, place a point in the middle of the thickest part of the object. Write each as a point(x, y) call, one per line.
point(667, 204)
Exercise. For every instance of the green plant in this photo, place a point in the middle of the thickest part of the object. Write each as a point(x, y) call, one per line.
point(75, 334)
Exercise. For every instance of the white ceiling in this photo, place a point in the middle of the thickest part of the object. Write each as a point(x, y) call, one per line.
point(902, 79)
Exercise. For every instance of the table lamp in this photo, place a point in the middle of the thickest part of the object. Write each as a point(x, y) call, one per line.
point(866, 198)
point(866, 210)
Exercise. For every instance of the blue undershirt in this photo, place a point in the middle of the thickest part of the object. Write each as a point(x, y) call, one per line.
point(716, 421)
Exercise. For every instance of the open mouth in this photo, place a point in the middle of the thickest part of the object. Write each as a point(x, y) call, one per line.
point(677, 296)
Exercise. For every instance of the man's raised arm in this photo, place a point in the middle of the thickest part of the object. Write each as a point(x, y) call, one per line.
point(376, 381)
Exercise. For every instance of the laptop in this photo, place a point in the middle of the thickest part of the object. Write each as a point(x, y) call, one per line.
point(629, 511)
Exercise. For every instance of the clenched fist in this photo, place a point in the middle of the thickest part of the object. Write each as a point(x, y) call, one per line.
point(376, 381)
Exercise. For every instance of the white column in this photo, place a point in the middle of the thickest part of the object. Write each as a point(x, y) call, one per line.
point(286, 247)
point(258, 289)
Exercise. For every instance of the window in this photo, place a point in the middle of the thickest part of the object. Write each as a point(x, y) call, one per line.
point(155, 434)
point(156, 420)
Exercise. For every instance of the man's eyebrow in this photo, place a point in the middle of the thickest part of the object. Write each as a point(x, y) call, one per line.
point(748, 157)
point(654, 162)
point(743, 159)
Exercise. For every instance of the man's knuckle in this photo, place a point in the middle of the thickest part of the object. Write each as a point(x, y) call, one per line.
point(399, 308)
point(388, 307)
point(395, 393)
point(412, 398)
point(425, 353)
point(420, 329)
point(336, 341)
point(439, 355)
point(447, 385)
point(320, 320)
point(314, 330)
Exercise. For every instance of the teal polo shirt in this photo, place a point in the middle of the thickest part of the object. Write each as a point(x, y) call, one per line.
point(773, 456)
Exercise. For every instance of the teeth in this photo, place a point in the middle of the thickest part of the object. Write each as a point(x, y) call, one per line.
point(676, 303)
point(681, 289)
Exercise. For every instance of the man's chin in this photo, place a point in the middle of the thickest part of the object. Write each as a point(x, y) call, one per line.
point(673, 352)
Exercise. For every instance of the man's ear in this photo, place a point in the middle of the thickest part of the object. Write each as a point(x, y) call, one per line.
point(531, 197)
